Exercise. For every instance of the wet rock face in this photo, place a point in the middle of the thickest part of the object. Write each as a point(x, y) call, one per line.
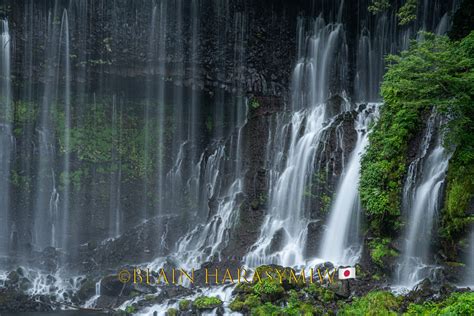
point(12, 300)
point(124, 52)
point(336, 145)
point(255, 199)
point(139, 244)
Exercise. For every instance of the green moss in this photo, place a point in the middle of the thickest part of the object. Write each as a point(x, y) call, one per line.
point(130, 309)
point(297, 306)
point(377, 6)
point(325, 202)
point(172, 312)
point(149, 297)
point(268, 287)
point(254, 104)
point(459, 194)
point(320, 293)
point(236, 305)
point(25, 112)
point(185, 305)
point(267, 309)
point(456, 304)
point(206, 302)
point(250, 302)
point(134, 293)
point(374, 303)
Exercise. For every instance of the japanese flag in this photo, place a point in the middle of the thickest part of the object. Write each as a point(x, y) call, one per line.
point(347, 273)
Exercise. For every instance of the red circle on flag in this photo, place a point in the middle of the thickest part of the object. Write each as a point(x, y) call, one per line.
point(347, 273)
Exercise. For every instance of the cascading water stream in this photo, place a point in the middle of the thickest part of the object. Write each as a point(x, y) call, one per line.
point(193, 110)
point(341, 243)
point(292, 168)
point(287, 199)
point(115, 225)
point(421, 200)
point(65, 205)
point(6, 137)
point(470, 261)
point(46, 195)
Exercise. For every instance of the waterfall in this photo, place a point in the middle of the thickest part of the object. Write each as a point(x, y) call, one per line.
point(470, 261)
point(293, 164)
point(6, 137)
point(161, 55)
point(421, 200)
point(206, 241)
point(65, 207)
point(115, 222)
point(341, 240)
point(170, 81)
point(46, 195)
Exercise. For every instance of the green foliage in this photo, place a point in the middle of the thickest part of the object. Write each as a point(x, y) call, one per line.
point(325, 202)
point(296, 307)
point(407, 12)
point(184, 305)
point(459, 193)
point(254, 104)
point(250, 302)
point(374, 303)
point(267, 309)
point(207, 302)
point(380, 250)
point(268, 287)
point(377, 6)
point(130, 309)
point(25, 112)
point(431, 73)
point(320, 293)
point(456, 304)
point(172, 312)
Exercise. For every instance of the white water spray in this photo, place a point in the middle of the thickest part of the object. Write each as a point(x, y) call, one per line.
point(341, 241)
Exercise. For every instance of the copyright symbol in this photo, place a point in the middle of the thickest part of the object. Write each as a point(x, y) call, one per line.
point(124, 276)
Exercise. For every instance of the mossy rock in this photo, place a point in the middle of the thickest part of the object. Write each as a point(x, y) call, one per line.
point(172, 312)
point(269, 290)
point(287, 277)
point(130, 309)
point(303, 309)
point(185, 305)
point(243, 289)
point(206, 302)
point(266, 309)
point(320, 293)
point(149, 297)
point(250, 302)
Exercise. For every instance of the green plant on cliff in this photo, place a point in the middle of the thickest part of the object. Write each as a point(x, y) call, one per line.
point(436, 73)
point(460, 184)
point(406, 13)
point(254, 103)
point(380, 249)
